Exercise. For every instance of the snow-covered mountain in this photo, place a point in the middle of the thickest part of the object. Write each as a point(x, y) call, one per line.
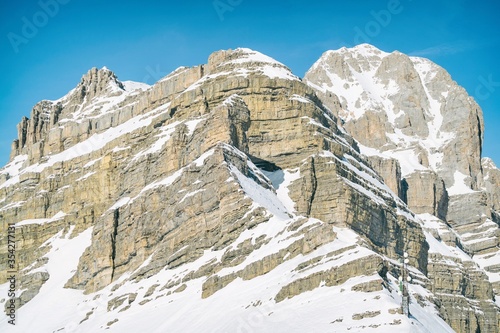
point(410, 110)
point(236, 197)
point(406, 107)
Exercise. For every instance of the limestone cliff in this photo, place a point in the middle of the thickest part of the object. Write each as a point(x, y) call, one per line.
point(409, 109)
point(229, 197)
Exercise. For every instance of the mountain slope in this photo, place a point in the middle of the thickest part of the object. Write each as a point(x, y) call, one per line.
point(408, 109)
point(226, 197)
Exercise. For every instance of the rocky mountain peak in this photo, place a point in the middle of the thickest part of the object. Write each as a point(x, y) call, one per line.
point(363, 57)
point(402, 105)
point(235, 177)
point(99, 82)
point(366, 50)
point(243, 61)
point(408, 110)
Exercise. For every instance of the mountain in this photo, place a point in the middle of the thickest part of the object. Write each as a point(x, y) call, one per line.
point(408, 109)
point(236, 197)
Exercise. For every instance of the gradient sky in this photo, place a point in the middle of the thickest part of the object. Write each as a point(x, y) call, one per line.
point(145, 40)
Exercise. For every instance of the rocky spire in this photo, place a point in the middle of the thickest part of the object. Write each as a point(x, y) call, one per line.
point(98, 82)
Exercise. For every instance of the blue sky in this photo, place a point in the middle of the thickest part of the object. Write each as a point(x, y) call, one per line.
point(145, 40)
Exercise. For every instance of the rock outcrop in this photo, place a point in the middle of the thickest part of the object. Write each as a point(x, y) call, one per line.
point(409, 109)
point(237, 186)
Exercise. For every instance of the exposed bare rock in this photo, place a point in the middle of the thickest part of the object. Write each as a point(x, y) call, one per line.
point(236, 186)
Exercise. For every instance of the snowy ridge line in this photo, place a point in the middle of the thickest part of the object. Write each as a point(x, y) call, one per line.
point(322, 256)
point(14, 166)
point(106, 103)
point(203, 79)
point(174, 73)
point(231, 100)
point(256, 63)
point(163, 137)
point(299, 98)
point(365, 191)
point(87, 175)
point(407, 158)
point(190, 194)
point(94, 143)
point(316, 123)
point(250, 55)
point(130, 88)
point(268, 66)
point(11, 205)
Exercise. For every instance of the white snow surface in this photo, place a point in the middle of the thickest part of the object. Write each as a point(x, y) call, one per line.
point(163, 137)
point(281, 179)
point(132, 85)
point(192, 124)
point(14, 166)
point(263, 197)
point(55, 306)
point(254, 56)
point(242, 306)
point(299, 98)
point(459, 186)
point(60, 215)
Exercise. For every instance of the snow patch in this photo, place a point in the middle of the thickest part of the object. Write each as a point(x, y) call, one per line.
point(87, 175)
point(60, 215)
point(459, 186)
point(262, 196)
point(191, 124)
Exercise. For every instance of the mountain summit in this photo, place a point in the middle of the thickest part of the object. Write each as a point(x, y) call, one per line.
point(236, 197)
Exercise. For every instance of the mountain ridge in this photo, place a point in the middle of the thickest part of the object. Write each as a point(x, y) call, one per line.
point(228, 176)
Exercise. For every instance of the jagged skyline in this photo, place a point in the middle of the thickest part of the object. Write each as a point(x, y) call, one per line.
point(228, 189)
point(49, 45)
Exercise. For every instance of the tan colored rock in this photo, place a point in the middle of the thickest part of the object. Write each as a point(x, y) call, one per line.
point(425, 192)
point(164, 191)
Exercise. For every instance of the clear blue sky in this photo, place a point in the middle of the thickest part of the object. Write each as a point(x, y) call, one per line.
point(145, 40)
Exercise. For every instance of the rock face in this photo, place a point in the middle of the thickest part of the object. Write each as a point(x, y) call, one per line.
point(425, 192)
point(241, 192)
point(406, 107)
point(409, 109)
